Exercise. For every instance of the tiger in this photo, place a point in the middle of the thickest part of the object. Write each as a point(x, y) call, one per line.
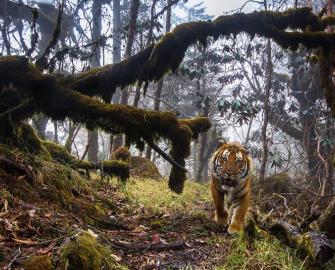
point(231, 173)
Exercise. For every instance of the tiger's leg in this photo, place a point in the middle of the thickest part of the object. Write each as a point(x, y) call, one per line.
point(239, 213)
point(221, 213)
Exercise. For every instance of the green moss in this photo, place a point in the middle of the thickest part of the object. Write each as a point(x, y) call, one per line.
point(86, 253)
point(116, 168)
point(144, 168)
point(122, 154)
point(60, 154)
point(157, 224)
point(38, 263)
point(197, 125)
point(60, 182)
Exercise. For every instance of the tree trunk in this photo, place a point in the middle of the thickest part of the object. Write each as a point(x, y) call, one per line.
point(56, 132)
point(202, 161)
point(160, 83)
point(92, 136)
point(117, 140)
point(312, 244)
point(130, 41)
point(4, 27)
point(40, 122)
point(202, 172)
point(268, 85)
point(195, 158)
point(73, 130)
point(116, 42)
point(93, 147)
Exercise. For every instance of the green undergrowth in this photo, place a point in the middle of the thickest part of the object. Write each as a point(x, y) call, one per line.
point(34, 179)
point(264, 252)
point(157, 198)
point(86, 253)
point(256, 251)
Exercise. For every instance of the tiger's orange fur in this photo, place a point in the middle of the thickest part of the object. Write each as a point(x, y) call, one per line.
point(230, 184)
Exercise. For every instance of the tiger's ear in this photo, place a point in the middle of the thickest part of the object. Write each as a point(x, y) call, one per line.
point(221, 142)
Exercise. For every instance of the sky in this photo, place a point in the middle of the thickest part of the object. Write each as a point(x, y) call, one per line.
point(218, 7)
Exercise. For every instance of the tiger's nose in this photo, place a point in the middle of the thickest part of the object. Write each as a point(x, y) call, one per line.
point(229, 172)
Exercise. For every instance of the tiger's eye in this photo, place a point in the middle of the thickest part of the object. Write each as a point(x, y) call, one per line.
point(238, 161)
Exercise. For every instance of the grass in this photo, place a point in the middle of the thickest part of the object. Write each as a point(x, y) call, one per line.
point(157, 198)
point(265, 252)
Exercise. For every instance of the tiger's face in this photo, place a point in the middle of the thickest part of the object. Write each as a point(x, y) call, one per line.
point(230, 165)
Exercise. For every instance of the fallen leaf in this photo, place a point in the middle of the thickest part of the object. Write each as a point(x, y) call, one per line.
point(155, 238)
point(48, 215)
point(139, 229)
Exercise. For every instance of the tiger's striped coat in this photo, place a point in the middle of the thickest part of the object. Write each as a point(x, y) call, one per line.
point(232, 167)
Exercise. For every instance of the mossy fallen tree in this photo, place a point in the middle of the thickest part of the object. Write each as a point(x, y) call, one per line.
point(166, 55)
point(116, 168)
point(310, 244)
point(29, 92)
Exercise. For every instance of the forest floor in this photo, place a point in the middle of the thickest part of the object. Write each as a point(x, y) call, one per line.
point(146, 226)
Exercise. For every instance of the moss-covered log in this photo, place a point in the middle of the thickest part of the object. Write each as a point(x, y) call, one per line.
point(312, 244)
point(58, 102)
point(116, 168)
point(158, 59)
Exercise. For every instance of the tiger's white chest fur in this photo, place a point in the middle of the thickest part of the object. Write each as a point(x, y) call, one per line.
point(236, 191)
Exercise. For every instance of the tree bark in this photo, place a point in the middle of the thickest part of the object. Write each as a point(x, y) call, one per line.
point(312, 244)
point(117, 140)
point(40, 122)
point(160, 83)
point(130, 41)
point(92, 136)
point(116, 42)
point(269, 69)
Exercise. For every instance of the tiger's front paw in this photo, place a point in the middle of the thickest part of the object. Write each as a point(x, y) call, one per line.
point(221, 220)
point(235, 228)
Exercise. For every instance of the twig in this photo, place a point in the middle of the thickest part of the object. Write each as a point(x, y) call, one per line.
point(9, 266)
point(131, 247)
point(42, 62)
point(285, 202)
point(164, 155)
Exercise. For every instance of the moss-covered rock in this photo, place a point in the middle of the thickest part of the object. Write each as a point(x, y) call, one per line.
point(86, 253)
point(42, 262)
point(122, 153)
point(144, 168)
